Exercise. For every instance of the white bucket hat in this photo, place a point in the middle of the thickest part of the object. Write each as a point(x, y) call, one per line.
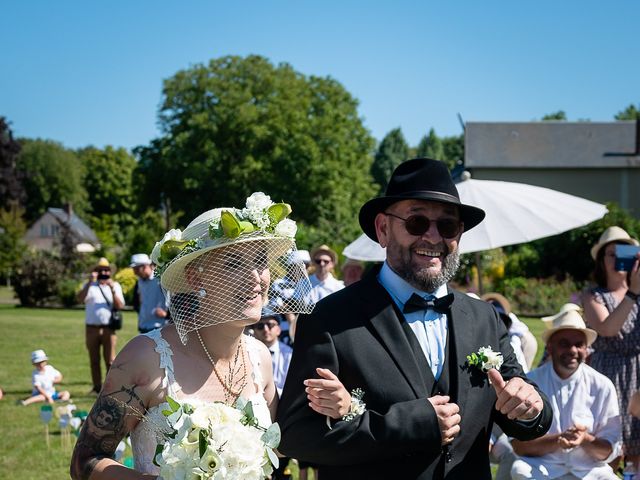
point(139, 259)
point(38, 356)
point(612, 234)
point(568, 320)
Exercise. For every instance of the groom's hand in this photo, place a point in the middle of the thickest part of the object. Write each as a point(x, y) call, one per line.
point(448, 417)
point(516, 398)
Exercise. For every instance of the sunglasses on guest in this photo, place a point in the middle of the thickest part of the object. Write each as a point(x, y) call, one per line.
point(321, 261)
point(263, 325)
point(418, 225)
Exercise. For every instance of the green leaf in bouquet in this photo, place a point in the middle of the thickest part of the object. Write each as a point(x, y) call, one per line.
point(271, 437)
point(173, 405)
point(273, 458)
point(248, 412)
point(159, 449)
point(203, 443)
point(278, 212)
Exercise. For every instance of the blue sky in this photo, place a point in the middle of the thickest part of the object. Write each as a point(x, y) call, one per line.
point(90, 73)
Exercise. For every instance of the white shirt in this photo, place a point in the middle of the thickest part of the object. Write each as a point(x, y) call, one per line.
point(429, 326)
point(97, 311)
point(44, 380)
point(280, 359)
point(322, 288)
point(588, 398)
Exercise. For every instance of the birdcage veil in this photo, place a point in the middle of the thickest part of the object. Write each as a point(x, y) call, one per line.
point(227, 264)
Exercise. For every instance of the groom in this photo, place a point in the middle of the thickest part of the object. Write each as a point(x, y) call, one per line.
point(428, 412)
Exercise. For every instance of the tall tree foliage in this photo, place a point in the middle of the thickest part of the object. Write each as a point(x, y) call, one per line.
point(12, 230)
point(11, 178)
point(392, 151)
point(630, 113)
point(54, 177)
point(560, 115)
point(431, 146)
point(239, 124)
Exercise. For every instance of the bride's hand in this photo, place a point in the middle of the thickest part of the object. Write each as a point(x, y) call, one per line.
point(327, 395)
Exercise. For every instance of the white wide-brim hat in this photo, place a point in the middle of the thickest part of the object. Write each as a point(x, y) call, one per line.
point(38, 356)
point(568, 320)
point(567, 307)
point(173, 278)
point(612, 234)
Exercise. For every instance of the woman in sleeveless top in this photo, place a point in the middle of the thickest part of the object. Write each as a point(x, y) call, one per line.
point(611, 309)
point(216, 275)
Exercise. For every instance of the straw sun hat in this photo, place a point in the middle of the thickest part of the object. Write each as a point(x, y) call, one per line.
point(612, 234)
point(568, 318)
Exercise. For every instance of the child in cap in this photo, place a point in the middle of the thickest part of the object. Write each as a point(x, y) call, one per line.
point(43, 378)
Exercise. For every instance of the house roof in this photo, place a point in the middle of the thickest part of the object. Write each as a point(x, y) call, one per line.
point(80, 229)
point(552, 144)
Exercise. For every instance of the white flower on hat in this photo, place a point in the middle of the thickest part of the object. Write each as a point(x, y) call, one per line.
point(286, 228)
point(258, 201)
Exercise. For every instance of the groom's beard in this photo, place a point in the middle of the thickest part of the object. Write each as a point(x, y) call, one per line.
point(423, 278)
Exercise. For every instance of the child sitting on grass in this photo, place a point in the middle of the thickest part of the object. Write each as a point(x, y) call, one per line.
point(43, 378)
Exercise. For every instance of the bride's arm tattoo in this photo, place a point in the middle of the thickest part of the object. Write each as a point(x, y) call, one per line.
point(104, 428)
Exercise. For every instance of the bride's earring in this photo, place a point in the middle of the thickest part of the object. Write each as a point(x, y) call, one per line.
point(202, 292)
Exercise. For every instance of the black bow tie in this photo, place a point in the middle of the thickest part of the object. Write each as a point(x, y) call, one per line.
point(416, 303)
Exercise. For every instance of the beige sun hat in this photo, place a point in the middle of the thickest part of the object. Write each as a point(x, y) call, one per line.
point(568, 320)
point(567, 307)
point(325, 249)
point(173, 277)
point(612, 234)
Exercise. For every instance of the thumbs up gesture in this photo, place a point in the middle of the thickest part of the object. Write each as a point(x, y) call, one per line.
point(517, 399)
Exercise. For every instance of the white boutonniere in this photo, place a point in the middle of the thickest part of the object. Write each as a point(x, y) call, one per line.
point(485, 359)
point(357, 407)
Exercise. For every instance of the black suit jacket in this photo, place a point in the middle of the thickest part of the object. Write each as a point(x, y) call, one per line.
point(357, 333)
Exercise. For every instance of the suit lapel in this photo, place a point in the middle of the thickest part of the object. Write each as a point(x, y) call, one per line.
point(463, 333)
point(386, 323)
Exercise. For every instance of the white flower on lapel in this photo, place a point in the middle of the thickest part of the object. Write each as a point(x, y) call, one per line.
point(485, 359)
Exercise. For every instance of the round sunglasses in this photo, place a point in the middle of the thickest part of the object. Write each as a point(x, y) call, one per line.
point(419, 224)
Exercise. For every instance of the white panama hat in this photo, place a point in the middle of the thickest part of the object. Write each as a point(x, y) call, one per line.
point(568, 320)
point(139, 259)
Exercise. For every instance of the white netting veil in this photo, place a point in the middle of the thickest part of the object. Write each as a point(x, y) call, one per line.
point(228, 264)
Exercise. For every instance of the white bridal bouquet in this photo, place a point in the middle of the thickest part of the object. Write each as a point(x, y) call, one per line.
point(216, 441)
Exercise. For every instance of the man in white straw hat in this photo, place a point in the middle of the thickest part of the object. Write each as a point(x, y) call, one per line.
point(148, 299)
point(586, 431)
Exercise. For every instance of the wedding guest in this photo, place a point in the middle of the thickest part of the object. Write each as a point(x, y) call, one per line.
point(149, 300)
point(352, 271)
point(399, 340)
point(217, 277)
point(323, 282)
point(585, 433)
point(99, 295)
point(43, 379)
point(611, 309)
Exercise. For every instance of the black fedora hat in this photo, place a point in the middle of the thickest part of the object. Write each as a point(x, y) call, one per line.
point(419, 179)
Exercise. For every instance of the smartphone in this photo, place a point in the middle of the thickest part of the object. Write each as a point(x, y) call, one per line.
point(626, 257)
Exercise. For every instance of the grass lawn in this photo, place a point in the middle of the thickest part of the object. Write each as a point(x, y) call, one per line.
point(23, 450)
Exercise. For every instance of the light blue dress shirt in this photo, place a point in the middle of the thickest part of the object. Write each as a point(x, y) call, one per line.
point(151, 297)
point(429, 326)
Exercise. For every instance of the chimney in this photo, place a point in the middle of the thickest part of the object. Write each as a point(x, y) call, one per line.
point(68, 210)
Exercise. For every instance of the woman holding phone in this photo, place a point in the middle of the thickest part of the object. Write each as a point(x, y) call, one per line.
point(611, 309)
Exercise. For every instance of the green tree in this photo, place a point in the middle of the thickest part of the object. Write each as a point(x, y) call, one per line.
point(108, 180)
point(11, 178)
point(559, 115)
point(453, 148)
point(239, 125)
point(12, 230)
point(431, 146)
point(54, 177)
point(392, 151)
point(630, 113)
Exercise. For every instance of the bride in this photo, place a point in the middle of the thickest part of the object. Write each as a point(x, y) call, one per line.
point(217, 275)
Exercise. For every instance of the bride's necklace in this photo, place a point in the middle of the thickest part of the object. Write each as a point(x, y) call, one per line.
point(228, 384)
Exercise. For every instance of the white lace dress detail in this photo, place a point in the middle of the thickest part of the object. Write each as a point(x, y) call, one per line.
point(149, 431)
